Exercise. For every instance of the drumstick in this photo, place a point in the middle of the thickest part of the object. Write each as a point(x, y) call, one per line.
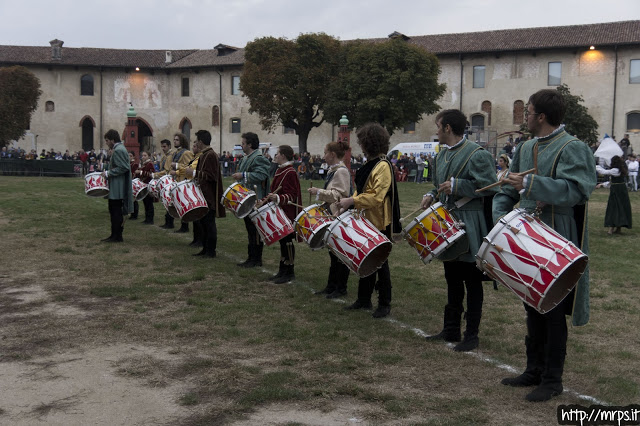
point(411, 214)
point(294, 204)
point(310, 186)
point(277, 189)
point(502, 182)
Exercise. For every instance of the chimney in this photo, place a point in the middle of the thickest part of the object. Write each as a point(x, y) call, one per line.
point(56, 49)
point(168, 57)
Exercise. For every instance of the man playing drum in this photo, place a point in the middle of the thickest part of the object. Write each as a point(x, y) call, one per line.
point(377, 194)
point(559, 189)
point(209, 177)
point(165, 168)
point(181, 158)
point(120, 191)
point(253, 172)
point(460, 168)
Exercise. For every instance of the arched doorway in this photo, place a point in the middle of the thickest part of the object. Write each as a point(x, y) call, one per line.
point(145, 136)
point(185, 128)
point(87, 134)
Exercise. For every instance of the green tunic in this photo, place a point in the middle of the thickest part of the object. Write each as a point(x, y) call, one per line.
point(255, 169)
point(472, 168)
point(120, 178)
point(565, 179)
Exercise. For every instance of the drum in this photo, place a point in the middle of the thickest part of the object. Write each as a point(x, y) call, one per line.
point(311, 225)
point(531, 259)
point(272, 223)
point(189, 201)
point(153, 188)
point(357, 243)
point(435, 231)
point(167, 201)
point(96, 185)
point(139, 189)
point(164, 181)
point(239, 200)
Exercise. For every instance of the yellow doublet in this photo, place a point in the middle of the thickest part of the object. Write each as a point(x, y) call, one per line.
point(184, 161)
point(166, 160)
point(374, 199)
point(181, 174)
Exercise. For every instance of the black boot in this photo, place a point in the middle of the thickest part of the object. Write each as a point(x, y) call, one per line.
point(532, 375)
point(451, 329)
point(134, 215)
point(184, 228)
point(250, 256)
point(258, 254)
point(280, 273)
point(471, 340)
point(550, 386)
point(287, 276)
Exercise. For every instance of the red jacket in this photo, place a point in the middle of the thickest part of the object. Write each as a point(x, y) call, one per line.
point(287, 184)
point(146, 172)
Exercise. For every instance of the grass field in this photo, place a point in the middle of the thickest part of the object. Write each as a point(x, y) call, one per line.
point(245, 349)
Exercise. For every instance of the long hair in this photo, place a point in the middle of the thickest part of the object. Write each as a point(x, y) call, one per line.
point(618, 163)
point(373, 139)
point(339, 148)
point(184, 142)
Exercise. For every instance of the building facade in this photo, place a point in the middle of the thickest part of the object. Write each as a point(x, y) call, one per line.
point(489, 76)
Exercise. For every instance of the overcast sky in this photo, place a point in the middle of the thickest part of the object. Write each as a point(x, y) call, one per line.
point(202, 24)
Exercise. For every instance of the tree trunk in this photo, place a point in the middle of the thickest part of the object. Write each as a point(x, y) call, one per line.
point(303, 135)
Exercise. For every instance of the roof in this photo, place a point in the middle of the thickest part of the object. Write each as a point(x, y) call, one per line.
point(571, 36)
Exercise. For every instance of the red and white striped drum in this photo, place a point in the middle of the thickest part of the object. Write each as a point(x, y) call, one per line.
point(167, 201)
point(531, 259)
point(96, 185)
point(139, 189)
point(311, 225)
point(357, 243)
point(153, 188)
point(272, 223)
point(239, 199)
point(189, 201)
point(164, 181)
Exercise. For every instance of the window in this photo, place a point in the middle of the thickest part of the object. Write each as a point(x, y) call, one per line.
point(185, 128)
point(215, 116)
point(486, 107)
point(86, 85)
point(477, 122)
point(235, 85)
point(555, 74)
point(478, 76)
point(235, 125)
point(185, 86)
point(634, 71)
point(49, 106)
point(409, 128)
point(289, 131)
point(518, 112)
point(633, 122)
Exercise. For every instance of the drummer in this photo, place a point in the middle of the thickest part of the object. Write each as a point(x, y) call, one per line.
point(165, 168)
point(559, 189)
point(181, 157)
point(285, 188)
point(209, 177)
point(134, 168)
point(377, 194)
point(144, 173)
point(336, 187)
point(187, 171)
point(460, 168)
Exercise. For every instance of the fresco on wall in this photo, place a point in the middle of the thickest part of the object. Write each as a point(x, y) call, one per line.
point(142, 91)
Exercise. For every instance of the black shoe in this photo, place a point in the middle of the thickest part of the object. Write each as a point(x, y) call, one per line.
point(544, 392)
point(284, 279)
point(133, 217)
point(336, 294)
point(107, 240)
point(147, 222)
point(468, 344)
point(523, 380)
point(250, 263)
point(358, 305)
point(195, 244)
point(200, 253)
point(446, 336)
point(211, 255)
point(181, 231)
point(381, 311)
point(325, 290)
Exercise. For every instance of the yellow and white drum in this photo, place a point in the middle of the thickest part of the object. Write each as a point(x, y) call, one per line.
point(434, 232)
point(531, 259)
point(239, 199)
point(311, 225)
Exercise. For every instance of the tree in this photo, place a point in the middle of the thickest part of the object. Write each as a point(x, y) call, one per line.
point(392, 83)
point(19, 94)
point(286, 81)
point(577, 120)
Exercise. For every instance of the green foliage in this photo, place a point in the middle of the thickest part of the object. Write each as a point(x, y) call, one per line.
point(577, 120)
point(392, 83)
point(19, 94)
point(286, 80)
